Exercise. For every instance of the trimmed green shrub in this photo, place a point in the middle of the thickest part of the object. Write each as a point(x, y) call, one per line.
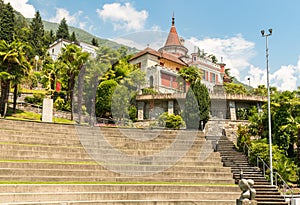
point(170, 121)
point(133, 113)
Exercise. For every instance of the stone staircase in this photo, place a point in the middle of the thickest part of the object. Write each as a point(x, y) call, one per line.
point(237, 161)
point(45, 163)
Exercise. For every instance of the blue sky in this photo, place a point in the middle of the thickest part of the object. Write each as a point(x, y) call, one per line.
point(228, 29)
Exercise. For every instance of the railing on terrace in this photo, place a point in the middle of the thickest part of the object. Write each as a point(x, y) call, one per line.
point(237, 97)
point(264, 167)
point(181, 95)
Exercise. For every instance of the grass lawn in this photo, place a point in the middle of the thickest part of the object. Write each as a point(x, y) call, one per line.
point(31, 116)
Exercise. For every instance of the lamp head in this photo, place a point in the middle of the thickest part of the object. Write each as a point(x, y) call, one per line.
point(270, 30)
point(262, 32)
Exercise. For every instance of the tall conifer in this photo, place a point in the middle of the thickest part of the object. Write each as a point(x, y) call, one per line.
point(73, 37)
point(7, 22)
point(63, 30)
point(37, 33)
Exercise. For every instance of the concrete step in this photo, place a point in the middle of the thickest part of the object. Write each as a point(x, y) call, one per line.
point(83, 156)
point(203, 167)
point(208, 180)
point(102, 174)
point(110, 137)
point(27, 188)
point(134, 202)
point(17, 147)
point(74, 129)
point(96, 195)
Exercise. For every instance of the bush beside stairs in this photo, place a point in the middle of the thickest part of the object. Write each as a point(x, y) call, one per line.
point(237, 161)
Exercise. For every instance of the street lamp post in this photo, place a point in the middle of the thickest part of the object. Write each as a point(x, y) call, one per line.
point(269, 106)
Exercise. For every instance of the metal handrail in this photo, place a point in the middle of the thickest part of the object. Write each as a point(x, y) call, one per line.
point(285, 185)
point(264, 166)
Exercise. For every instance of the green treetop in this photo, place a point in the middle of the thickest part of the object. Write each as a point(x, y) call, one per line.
point(7, 22)
point(36, 37)
point(63, 30)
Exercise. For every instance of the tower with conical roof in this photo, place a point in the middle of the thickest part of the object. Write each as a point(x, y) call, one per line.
point(173, 43)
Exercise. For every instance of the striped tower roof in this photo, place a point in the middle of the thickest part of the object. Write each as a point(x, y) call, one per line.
point(173, 38)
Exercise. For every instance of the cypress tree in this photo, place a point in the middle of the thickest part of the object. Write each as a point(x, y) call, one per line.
point(197, 106)
point(37, 33)
point(7, 22)
point(203, 99)
point(95, 42)
point(73, 37)
point(191, 114)
point(63, 30)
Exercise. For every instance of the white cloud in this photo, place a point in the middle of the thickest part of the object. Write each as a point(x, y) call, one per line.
point(123, 16)
point(82, 25)
point(63, 13)
point(142, 39)
point(285, 78)
point(155, 28)
point(257, 76)
point(235, 51)
point(22, 6)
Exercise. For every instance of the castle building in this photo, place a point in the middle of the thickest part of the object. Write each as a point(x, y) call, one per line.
point(162, 66)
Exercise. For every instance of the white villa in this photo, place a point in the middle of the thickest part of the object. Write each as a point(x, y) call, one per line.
point(55, 48)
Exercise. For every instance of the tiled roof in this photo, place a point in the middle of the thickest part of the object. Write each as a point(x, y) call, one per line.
point(173, 38)
point(164, 55)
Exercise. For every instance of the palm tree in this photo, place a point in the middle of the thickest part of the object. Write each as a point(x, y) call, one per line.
point(95, 70)
point(73, 60)
point(14, 66)
point(190, 75)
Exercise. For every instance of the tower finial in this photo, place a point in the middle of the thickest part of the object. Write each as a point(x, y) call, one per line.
point(173, 20)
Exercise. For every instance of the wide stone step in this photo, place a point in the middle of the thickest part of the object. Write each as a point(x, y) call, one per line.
point(43, 127)
point(97, 154)
point(209, 180)
point(103, 174)
point(73, 196)
point(93, 143)
point(133, 202)
point(20, 149)
point(112, 138)
point(44, 188)
point(72, 129)
point(127, 161)
point(204, 167)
